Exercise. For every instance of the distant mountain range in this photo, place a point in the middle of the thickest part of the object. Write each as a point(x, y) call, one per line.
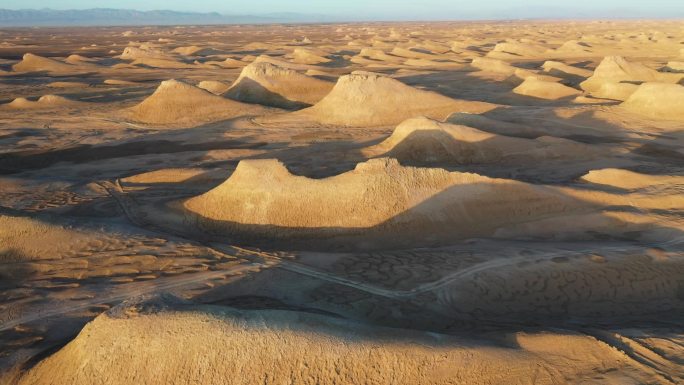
point(121, 17)
point(111, 17)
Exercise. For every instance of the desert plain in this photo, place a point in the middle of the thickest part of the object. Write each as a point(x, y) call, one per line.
point(378, 203)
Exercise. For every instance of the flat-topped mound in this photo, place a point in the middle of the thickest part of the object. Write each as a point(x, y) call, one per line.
point(178, 102)
point(629, 179)
point(206, 344)
point(423, 140)
point(35, 63)
point(366, 99)
point(379, 202)
point(616, 69)
point(268, 84)
point(542, 89)
point(144, 52)
point(657, 100)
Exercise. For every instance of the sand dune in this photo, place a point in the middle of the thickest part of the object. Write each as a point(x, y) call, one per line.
point(423, 140)
point(373, 203)
point(535, 87)
point(364, 99)
point(268, 84)
point(178, 102)
point(173, 346)
point(658, 101)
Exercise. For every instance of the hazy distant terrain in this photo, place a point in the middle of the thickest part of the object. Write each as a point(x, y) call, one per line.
point(107, 16)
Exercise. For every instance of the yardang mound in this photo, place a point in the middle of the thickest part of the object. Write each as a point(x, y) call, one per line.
point(379, 201)
point(214, 345)
point(178, 102)
point(615, 69)
point(44, 102)
point(268, 84)
point(365, 99)
point(423, 140)
point(35, 63)
point(657, 100)
point(542, 89)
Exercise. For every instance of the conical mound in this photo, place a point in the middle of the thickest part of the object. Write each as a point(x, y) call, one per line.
point(615, 69)
point(44, 102)
point(657, 100)
point(380, 202)
point(424, 141)
point(543, 89)
point(268, 84)
point(364, 99)
point(178, 102)
point(35, 63)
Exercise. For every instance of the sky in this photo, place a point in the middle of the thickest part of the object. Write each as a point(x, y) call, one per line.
point(388, 9)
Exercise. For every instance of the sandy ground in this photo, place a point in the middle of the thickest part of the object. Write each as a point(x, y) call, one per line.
point(447, 203)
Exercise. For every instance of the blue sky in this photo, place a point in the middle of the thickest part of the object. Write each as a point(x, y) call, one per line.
point(388, 9)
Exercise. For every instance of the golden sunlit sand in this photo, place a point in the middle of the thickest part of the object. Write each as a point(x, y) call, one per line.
point(409, 203)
